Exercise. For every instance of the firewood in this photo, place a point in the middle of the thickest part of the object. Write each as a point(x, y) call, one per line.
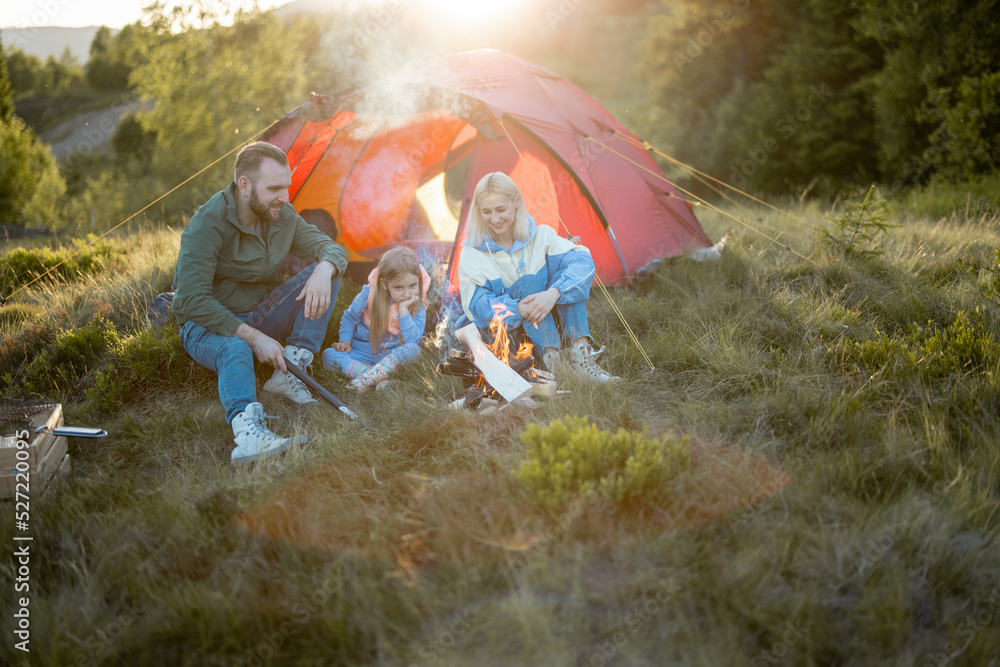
point(458, 368)
point(522, 365)
point(504, 380)
point(473, 398)
point(543, 374)
point(544, 388)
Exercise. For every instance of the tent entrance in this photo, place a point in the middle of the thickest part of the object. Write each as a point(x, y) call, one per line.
point(432, 197)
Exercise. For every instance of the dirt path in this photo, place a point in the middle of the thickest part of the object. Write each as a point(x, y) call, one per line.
point(86, 132)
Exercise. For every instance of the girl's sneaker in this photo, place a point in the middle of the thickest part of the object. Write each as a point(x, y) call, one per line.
point(379, 372)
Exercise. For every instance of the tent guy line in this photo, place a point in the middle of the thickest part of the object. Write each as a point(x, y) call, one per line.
point(645, 145)
point(705, 203)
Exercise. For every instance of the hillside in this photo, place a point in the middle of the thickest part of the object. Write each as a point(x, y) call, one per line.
point(45, 41)
point(834, 503)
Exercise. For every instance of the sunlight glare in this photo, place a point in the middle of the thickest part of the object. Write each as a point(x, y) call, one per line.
point(471, 14)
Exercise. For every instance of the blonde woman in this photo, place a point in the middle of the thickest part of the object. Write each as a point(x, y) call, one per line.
point(510, 264)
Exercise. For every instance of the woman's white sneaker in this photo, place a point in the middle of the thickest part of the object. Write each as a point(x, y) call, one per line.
point(581, 360)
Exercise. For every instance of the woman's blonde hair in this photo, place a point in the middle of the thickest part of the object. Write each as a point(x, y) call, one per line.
point(397, 262)
point(490, 184)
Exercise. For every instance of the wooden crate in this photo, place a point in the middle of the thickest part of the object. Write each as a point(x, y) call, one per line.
point(47, 456)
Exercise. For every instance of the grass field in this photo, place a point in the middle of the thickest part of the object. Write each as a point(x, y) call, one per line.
point(836, 506)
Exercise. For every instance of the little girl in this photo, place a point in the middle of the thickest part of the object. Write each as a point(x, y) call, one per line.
point(385, 323)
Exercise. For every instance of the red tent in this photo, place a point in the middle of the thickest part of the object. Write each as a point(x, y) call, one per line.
point(375, 157)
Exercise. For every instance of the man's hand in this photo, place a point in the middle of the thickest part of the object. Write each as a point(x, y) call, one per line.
point(265, 348)
point(536, 307)
point(342, 346)
point(317, 290)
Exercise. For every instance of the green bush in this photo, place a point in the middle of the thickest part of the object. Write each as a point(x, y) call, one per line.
point(22, 265)
point(973, 197)
point(75, 352)
point(153, 357)
point(931, 353)
point(574, 459)
point(17, 349)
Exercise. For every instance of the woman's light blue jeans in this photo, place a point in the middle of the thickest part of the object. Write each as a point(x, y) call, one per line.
point(568, 318)
point(279, 316)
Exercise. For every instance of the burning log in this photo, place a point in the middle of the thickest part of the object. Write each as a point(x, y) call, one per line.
point(462, 368)
point(504, 379)
point(523, 365)
point(473, 398)
point(496, 371)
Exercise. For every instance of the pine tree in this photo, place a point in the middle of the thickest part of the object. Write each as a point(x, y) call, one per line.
point(6, 92)
point(767, 96)
point(937, 99)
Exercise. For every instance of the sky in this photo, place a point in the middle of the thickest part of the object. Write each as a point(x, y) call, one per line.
point(118, 13)
point(78, 13)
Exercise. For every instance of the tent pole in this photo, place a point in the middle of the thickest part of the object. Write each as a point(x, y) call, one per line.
point(618, 252)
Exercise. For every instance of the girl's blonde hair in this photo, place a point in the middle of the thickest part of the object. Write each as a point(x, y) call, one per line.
point(495, 183)
point(397, 262)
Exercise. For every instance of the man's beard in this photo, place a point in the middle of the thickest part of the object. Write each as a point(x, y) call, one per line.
point(264, 213)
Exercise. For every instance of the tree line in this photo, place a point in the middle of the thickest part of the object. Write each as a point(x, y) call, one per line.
point(207, 83)
point(772, 95)
point(776, 96)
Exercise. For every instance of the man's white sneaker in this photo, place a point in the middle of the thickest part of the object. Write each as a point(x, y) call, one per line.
point(253, 439)
point(288, 385)
point(581, 360)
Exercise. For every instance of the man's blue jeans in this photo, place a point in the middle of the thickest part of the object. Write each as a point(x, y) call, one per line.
point(279, 316)
point(570, 318)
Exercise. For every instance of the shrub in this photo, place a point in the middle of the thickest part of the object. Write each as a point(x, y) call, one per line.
point(75, 352)
point(22, 265)
point(19, 348)
point(13, 315)
point(150, 357)
point(29, 176)
point(574, 459)
point(930, 353)
point(991, 291)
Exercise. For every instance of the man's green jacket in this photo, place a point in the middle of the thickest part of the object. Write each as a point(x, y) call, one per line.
point(225, 267)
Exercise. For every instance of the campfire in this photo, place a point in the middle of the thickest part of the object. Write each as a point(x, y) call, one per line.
point(489, 373)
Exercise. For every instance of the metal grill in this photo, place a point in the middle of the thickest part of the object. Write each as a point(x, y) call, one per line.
point(16, 414)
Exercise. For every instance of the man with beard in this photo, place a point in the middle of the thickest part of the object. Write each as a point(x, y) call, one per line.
point(231, 304)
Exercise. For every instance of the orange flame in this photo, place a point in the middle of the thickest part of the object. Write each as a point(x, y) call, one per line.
point(500, 347)
point(501, 341)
